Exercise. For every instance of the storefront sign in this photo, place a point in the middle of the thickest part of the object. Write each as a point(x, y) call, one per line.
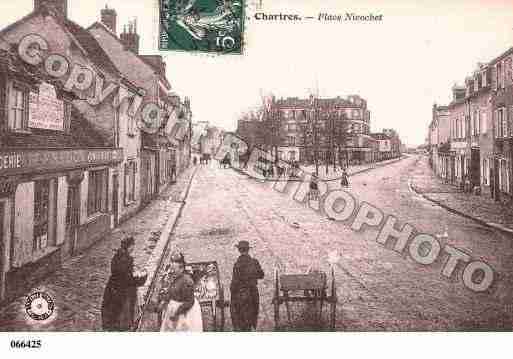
point(46, 111)
point(27, 161)
point(206, 280)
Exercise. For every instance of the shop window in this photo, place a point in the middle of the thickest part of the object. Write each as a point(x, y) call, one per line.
point(130, 169)
point(41, 214)
point(18, 108)
point(97, 192)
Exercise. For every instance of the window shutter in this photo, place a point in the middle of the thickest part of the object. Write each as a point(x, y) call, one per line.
point(125, 184)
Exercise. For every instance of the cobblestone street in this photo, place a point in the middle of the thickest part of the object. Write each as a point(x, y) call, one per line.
point(77, 288)
point(378, 289)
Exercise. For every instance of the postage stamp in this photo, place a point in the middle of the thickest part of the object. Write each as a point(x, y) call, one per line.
point(215, 26)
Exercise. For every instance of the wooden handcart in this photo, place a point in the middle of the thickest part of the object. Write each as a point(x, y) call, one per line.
point(209, 291)
point(308, 288)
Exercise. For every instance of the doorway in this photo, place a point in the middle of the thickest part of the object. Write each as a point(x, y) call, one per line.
point(73, 218)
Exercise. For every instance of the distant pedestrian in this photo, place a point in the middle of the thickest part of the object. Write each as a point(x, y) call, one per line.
point(344, 179)
point(313, 194)
point(173, 172)
point(245, 300)
point(120, 296)
point(194, 160)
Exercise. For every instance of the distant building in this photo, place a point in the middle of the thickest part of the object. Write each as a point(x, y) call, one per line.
point(303, 129)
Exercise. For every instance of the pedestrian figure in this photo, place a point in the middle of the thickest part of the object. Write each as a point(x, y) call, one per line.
point(313, 194)
point(180, 310)
point(194, 160)
point(245, 300)
point(344, 181)
point(120, 296)
point(173, 172)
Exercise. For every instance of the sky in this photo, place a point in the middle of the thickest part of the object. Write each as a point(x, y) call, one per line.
point(401, 65)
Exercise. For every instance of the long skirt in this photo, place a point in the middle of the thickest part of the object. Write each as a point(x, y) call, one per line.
point(118, 308)
point(191, 321)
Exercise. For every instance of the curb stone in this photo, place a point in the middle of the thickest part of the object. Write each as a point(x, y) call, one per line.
point(482, 222)
point(155, 261)
point(329, 180)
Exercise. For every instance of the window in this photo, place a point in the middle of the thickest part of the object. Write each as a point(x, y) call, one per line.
point(18, 109)
point(501, 123)
point(97, 192)
point(477, 126)
point(504, 175)
point(130, 169)
point(485, 171)
point(41, 209)
point(131, 126)
point(498, 75)
point(484, 125)
point(504, 122)
point(291, 140)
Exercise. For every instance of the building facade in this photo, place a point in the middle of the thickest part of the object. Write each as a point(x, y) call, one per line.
point(60, 153)
point(160, 153)
point(479, 146)
point(326, 129)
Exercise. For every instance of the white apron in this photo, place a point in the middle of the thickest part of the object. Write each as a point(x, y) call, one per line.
point(189, 322)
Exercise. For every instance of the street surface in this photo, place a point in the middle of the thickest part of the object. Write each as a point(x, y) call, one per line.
point(378, 289)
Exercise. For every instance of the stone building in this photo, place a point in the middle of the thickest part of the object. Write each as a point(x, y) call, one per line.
point(161, 154)
point(479, 146)
point(501, 175)
point(60, 144)
point(303, 129)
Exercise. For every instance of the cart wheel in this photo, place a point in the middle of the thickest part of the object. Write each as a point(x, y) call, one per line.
point(276, 301)
point(221, 300)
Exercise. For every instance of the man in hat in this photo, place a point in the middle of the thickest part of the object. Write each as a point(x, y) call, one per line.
point(245, 299)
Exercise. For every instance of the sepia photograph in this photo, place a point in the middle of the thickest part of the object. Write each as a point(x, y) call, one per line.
point(255, 166)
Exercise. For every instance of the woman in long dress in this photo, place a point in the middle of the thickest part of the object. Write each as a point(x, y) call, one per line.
point(180, 310)
point(120, 296)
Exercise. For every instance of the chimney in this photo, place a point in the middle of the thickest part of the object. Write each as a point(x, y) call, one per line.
point(131, 39)
point(108, 18)
point(60, 6)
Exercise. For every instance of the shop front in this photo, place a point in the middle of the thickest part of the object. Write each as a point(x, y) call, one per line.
point(53, 203)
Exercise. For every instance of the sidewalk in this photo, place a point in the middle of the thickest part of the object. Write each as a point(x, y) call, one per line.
point(77, 287)
point(481, 209)
point(351, 170)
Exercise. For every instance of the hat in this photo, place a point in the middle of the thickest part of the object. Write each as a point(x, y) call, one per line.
point(243, 245)
point(127, 242)
point(177, 257)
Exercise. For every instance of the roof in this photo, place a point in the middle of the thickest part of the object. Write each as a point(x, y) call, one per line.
point(81, 135)
point(81, 36)
point(501, 56)
point(101, 25)
point(322, 102)
point(92, 47)
point(11, 63)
